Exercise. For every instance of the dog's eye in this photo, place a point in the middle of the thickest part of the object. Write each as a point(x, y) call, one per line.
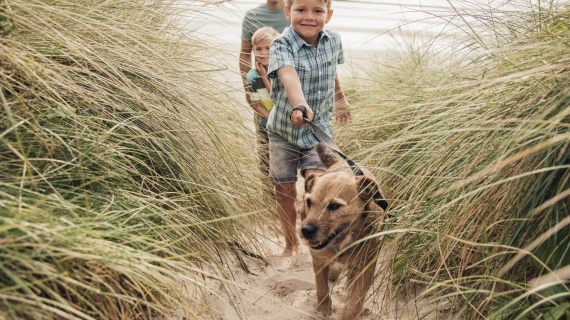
point(333, 206)
point(308, 203)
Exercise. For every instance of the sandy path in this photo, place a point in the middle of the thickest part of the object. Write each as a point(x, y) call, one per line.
point(285, 289)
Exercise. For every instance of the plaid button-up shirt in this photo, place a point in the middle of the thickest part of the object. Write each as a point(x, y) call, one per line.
point(316, 68)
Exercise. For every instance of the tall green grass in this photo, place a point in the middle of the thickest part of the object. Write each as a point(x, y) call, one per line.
point(469, 137)
point(122, 168)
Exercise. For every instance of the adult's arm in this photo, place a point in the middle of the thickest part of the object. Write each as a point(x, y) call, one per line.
point(245, 66)
point(290, 79)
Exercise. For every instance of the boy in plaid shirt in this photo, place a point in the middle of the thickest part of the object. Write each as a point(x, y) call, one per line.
point(302, 70)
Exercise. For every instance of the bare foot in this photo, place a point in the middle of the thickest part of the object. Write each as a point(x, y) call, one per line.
point(290, 251)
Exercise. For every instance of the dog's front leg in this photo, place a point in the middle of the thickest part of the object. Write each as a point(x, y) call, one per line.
point(359, 280)
point(321, 269)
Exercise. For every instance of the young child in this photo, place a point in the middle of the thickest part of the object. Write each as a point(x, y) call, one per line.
point(259, 88)
point(302, 70)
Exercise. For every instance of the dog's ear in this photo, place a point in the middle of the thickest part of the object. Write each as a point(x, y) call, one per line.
point(368, 189)
point(310, 181)
point(327, 156)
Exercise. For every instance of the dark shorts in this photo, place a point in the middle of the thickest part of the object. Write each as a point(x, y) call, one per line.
point(285, 159)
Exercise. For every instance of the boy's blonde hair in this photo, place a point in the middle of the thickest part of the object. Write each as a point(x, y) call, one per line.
point(265, 33)
point(328, 3)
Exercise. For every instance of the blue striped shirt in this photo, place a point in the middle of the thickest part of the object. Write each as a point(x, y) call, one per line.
point(316, 68)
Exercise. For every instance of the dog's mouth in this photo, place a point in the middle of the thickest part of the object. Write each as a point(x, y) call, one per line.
point(319, 245)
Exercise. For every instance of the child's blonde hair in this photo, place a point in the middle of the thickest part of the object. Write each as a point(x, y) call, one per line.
point(265, 33)
point(328, 3)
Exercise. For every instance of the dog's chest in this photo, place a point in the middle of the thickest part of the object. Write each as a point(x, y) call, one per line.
point(344, 246)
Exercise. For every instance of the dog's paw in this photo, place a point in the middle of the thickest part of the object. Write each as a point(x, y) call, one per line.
point(365, 312)
point(325, 307)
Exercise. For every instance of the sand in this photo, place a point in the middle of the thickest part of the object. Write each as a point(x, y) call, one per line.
point(285, 289)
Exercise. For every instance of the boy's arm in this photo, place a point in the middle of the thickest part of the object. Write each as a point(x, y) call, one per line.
point(294, 91)
point(254, 101)
point(341, 106)
point(266, 83)
point(259, 108)
point(262, 72)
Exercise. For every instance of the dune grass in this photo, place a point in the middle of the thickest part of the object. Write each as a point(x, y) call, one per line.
point(121, 175)
point(471, 146)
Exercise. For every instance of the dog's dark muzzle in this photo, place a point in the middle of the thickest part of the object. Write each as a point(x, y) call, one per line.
point(310, 230)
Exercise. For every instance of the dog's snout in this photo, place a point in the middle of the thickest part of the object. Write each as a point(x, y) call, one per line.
point(309, 231)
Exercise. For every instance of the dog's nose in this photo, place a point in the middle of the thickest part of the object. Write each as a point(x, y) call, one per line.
point(309, 231)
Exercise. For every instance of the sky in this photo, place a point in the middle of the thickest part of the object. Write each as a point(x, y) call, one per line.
point(363, 25)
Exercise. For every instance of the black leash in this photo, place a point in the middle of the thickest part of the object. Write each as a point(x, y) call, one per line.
point(326, 140)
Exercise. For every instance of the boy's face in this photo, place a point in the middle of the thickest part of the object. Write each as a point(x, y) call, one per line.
point(308, 18)
point(261, 51)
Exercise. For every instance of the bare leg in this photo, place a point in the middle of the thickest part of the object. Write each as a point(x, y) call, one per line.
point(286, 194)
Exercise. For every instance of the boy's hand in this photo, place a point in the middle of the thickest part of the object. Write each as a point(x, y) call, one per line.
point(260, 69)
point(297, 117)
point(342, 114)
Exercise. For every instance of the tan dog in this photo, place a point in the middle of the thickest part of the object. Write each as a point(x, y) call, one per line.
point(339, 211)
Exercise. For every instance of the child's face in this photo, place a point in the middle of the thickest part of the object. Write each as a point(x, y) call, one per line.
point(261, 51)
point(308, 18)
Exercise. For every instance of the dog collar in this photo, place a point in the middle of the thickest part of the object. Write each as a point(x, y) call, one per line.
point(335, 249)
point(334, 246)
point(331, 237)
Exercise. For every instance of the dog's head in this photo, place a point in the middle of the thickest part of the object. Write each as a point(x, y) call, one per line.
point(335, 201)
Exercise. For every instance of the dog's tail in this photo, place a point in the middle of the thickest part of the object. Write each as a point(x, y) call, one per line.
point(328, 156)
